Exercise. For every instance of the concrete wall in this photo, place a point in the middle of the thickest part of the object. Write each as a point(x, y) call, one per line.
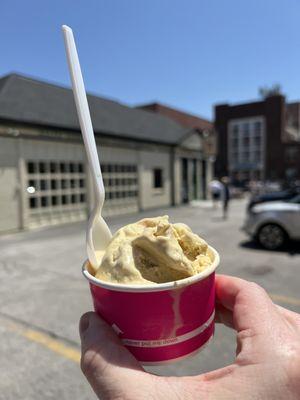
point(10, 218)
point(154, 197)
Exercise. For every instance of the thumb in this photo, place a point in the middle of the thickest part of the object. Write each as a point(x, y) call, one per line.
point(105, 362)
point(247, 308)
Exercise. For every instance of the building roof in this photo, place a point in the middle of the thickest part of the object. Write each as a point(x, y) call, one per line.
point(32, 101)
point(182, 117)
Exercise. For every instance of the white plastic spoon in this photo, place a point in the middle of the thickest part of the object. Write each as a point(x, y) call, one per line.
point(98, 233)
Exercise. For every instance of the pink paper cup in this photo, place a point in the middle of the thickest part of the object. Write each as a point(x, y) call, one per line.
point(159, 323)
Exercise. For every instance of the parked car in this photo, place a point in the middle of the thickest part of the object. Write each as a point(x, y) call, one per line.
point(273, 196)
point(273, 223)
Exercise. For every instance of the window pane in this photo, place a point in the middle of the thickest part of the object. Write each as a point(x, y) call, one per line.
point(53, 167)
point(72, 167)
point(64, 199)
point(64, 184)
point(54, 184)
point(33, 202)
point(257, 127)
point(246, 128)
point(42, 167)
point(80, 168)
point(63, 167)
point(44, 201)
point(81, 183)
point(73, 199)
point(235, 129)
point(157, 178)
point(54, 200)
point(82, 198)
point(31, 167)
point(43, 184)
point(246, 141)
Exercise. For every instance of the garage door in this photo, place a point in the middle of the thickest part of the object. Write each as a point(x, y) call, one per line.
point(121, 186)
point(55, 181)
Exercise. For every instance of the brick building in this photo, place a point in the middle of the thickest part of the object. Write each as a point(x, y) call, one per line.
point(203, 126)
point(258, 140)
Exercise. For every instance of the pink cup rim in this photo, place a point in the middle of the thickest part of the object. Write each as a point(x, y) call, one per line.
point(156, 287)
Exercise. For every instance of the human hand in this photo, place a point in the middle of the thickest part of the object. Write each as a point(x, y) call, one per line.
point(267, 364)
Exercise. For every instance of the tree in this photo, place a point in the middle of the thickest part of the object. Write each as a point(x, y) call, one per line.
point(268, 91)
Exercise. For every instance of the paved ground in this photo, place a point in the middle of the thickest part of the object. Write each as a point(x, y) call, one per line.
point(43, 295)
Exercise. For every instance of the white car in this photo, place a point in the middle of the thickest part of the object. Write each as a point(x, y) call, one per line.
point(273, 223)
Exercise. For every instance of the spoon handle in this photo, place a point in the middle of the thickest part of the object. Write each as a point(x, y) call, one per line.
point(83, 113)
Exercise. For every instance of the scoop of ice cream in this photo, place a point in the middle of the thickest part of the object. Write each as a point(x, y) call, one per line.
point(153, 250)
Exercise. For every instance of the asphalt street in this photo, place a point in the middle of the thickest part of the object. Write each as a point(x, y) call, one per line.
point(43, 295)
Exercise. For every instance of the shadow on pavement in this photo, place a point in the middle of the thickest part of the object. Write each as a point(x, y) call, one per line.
point(292, 247)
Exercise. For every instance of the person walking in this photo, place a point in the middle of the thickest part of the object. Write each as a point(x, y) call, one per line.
point(215, 187)
point(225, 195)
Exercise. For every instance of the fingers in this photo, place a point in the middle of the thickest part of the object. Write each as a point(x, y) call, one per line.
point(104, 360)
point(249, 304)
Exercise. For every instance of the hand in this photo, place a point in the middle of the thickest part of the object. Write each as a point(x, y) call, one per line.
point(267, 364)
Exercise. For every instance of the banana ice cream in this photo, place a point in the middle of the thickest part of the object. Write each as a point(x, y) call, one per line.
point(153, 250)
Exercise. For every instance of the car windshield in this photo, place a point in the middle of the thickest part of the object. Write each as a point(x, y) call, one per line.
point(295, 199)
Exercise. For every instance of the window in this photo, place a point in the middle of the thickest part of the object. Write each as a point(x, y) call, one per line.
point(42, 167)
point(235, 130)
point(157, 178)
point(246, 128)
point(33, 202)
point(43, 184)
point(31, 167)
point(257, 140)
point(53, 167)
point(257, 156)
point(54, 200)
point(44, 201)
point(257, 127)
point(246, 144)
point(234, 142)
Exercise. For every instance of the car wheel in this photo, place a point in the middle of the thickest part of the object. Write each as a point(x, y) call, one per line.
point(271, 236)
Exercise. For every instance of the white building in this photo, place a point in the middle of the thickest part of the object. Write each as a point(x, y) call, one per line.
point(147, 160)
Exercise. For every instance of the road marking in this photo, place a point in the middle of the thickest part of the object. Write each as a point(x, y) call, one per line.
point(47, 341)
point(285, 299)
point(52, 344)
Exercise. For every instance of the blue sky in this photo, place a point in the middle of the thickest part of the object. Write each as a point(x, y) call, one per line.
point(189, 54)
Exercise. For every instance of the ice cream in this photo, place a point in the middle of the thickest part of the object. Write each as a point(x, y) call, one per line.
point(153, 250)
